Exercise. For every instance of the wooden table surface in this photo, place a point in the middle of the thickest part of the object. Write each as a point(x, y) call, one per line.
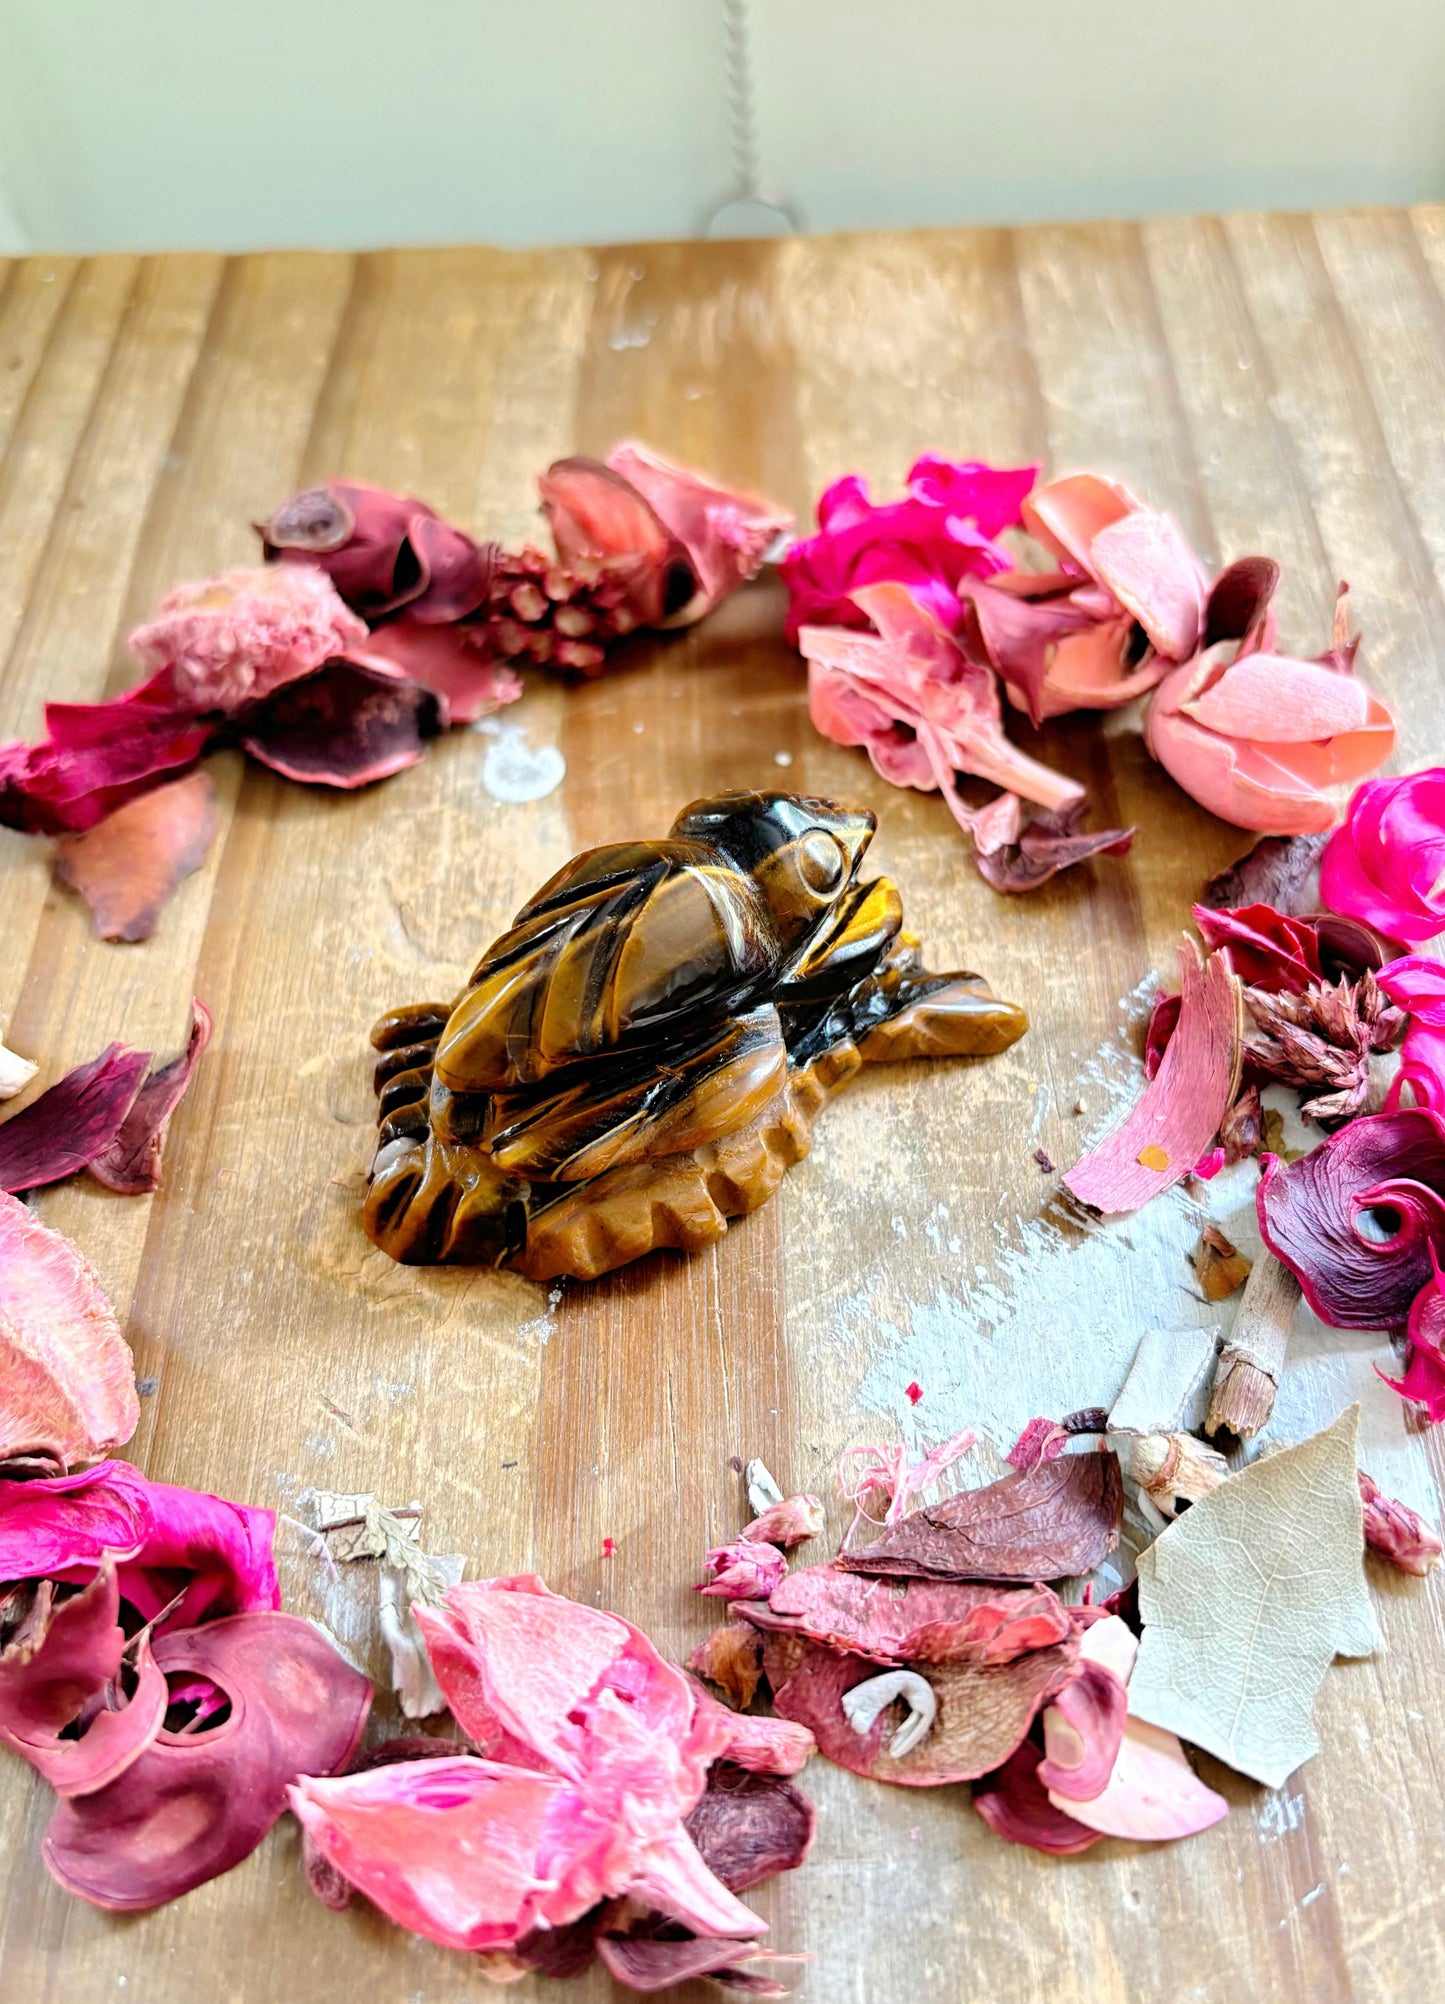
point(1279, 384)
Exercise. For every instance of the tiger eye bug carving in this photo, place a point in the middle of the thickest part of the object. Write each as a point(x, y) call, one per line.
point(643, 1054)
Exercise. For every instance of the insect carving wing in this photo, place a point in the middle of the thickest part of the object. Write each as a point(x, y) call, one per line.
point(608, 955)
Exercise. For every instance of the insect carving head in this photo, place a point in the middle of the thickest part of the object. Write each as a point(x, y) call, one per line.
point(802, 854)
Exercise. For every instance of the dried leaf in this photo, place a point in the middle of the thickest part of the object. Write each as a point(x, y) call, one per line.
point(1220, 1267)
point(1246, 1600)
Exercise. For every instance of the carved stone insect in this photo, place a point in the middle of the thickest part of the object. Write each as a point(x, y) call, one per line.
point(642, 1056)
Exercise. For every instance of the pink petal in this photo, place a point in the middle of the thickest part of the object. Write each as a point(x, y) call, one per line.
point(381, 550)
point(1067, 514)
point(231, 640)
point(455, 1849)
point(1424, 1379)
point(912, 1621)
point(789, 1523)
point(130, 1162)
point(747, 1570)
point(1153, 1793)
point(725, 532)
point(1239, 783)
point(97, 756)
point(1145, 562)
point(128, 866)
point(67, 1378)
point(72, 1122)
point(597, 515)
point(1417, 985)
point(451, 661)
point(1397, 1532)
point(1083, 1729)
point(1170, 1127)
point(761, 1746)
point(1383, 1170)
point(1274, 700)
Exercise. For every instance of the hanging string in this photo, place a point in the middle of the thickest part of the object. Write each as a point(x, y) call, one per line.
point(748, 210)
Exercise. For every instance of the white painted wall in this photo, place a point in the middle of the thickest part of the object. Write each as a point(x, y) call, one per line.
point(240, 123)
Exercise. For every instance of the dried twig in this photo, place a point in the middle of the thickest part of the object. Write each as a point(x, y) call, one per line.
point(1246, 1377)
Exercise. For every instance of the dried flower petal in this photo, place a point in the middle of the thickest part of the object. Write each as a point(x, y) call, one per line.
point(1359, 1220)
point(1255, 736)
point(164, 1539)
point(1264, 947)
point(726, 533)
point(194, 1803)
point(71, 1122)
point(1417, 985)
point(1052, 1521)
point(983, 1710)
point(1386, 863)
point(912, 1620)
point(1277, 871)
point(747, 1570)
point(1221, 1269)
point(1424, 1379)
point(941, 532)
point(731, 1658)
point(597, 516)
point(1083, 1729)
point(97, 756)
point(231, 640)
point(128, 866)
point(1182, 1105)
point(749, 1826)
point(1050, 843)
point(911, 678)
point(130, 1162)
point(381, 551)
point(353, 722)
point(457, 663)
point(1136, 554)
point(1016, 1806)
point(67, 1378)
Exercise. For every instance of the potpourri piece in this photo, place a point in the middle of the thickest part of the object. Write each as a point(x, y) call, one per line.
point(643, 1055)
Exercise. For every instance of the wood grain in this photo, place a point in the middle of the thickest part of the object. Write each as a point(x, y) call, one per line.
point(1277, 384)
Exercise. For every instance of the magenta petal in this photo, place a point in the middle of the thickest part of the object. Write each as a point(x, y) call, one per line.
point(1360, 1220)
point(72, 1122)
point(1386, 862)
point(1417, 985)
point(1265, 948)
point(355, 721)
point(196, 1803)
point(97, 756)
point(130, 1163)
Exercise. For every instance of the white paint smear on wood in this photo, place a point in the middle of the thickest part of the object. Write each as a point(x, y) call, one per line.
point(1051, 1324)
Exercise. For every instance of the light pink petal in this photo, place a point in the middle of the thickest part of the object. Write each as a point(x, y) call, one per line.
point(451, 661)
point(67, 1378)
point(1153, 1793)
point(1239, 783)
point(233, 639)
point(1275, 700)
point(764, 1746)
point(671, 1875)
point(1067, 514)
point(1016, 1806)
point(1170, 1126)
point(1145, 562)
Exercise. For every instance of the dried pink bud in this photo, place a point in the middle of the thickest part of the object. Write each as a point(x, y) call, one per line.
point(748, 1570)
point(791, 1522)
point(1397, 1532)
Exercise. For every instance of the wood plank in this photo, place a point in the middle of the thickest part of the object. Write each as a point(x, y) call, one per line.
point(1271, 383)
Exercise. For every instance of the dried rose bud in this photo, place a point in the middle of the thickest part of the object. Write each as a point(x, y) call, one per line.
point(1397, 1532)
point(747, 1570)
point(789, 1523)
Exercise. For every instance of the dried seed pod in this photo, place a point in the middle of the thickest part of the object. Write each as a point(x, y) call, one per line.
point(1174, 1469)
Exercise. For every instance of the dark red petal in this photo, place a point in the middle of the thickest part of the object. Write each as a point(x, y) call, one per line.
point(72, 1122)
point(128, 866)
point(1015, 1805)
point(130, 1163)
point(1050, 843)
point(452, 661)
point(749, 1826)
point(352, 722)
point(195, 1804)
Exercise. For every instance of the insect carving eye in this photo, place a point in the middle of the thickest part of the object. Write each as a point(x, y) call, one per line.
point(821, 862)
